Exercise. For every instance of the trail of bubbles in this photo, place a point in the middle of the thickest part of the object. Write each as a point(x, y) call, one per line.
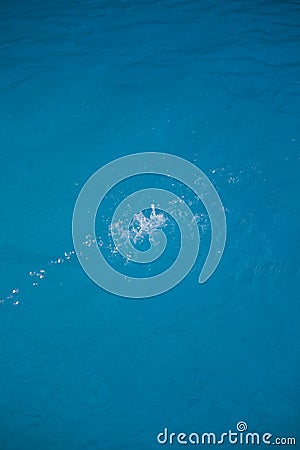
point(142, 227)
point(231, 174)
point(35, 276)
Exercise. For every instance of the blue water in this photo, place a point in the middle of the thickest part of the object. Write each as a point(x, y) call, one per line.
point(83, 83)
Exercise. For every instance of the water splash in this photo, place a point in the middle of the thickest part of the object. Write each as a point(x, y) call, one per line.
point(142, 228)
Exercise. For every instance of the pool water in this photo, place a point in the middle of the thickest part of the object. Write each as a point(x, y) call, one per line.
point(86, 82)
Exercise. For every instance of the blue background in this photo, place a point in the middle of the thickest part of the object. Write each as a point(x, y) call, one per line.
point(85, 82)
